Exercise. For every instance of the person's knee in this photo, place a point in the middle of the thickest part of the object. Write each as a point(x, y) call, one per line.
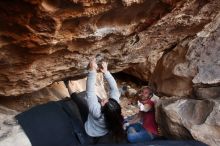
point(136, 138)
point(141, 136)
point(131, 130)
point(132, 138)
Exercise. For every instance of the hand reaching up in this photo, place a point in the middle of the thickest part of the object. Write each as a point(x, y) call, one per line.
point(93, 65)
point(104, 67)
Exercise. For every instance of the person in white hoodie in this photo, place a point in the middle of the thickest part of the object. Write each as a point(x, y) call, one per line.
point(101, 117)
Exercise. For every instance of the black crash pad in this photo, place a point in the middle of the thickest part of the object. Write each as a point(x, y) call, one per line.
point(50, 125)
point(160, 143)
point(53, 124)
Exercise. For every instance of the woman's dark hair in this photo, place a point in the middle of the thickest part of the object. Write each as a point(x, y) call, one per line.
point(114, 119)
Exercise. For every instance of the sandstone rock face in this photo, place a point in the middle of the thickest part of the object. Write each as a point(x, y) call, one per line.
point(192, 64)
point(173, 44)
point(45, 41)
point(186, 20)
point(165, 80)
point(191, 70)
point(11, 133)
point(196, 118)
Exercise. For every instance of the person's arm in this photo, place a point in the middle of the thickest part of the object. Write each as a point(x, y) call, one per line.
point(92, 100)
point(114, 91)
point(145, 107)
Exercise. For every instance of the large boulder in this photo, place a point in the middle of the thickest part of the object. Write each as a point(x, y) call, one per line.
point(187, 118)
point(191, 65)
point(11, 132)
point(190, 72)
point(185, 21)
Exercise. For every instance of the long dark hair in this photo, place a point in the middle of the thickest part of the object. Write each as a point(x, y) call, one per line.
point(114, 119)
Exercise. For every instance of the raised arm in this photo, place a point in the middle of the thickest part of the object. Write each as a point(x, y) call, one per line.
point(92, 100)
point(114, 91)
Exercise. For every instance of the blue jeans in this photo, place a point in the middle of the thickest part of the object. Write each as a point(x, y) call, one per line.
point(136, 133)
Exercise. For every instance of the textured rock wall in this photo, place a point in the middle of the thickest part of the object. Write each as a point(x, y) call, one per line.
point(173, 44)
point(191, 73)
point(186, 20)
point(45, 41)
point(187, 118)
point(192, 64)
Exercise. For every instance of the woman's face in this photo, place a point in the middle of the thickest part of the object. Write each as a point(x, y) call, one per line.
point(144, 94)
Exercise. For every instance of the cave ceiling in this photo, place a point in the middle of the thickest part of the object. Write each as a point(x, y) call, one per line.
point(44, 41)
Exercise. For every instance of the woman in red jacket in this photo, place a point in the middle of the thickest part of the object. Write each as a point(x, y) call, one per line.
point(143, 126)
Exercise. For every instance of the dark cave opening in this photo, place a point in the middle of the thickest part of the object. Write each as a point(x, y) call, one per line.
point(130, 79)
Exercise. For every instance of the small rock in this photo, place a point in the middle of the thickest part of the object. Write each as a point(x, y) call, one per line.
point(10, 122)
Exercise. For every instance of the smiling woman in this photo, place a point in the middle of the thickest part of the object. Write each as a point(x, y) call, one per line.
point(148, 130)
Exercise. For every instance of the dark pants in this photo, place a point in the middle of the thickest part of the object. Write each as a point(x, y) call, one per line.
point(79, 99)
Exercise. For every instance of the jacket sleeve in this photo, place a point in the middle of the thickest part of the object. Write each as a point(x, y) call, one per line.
point(114, 91)
point(92, 100)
